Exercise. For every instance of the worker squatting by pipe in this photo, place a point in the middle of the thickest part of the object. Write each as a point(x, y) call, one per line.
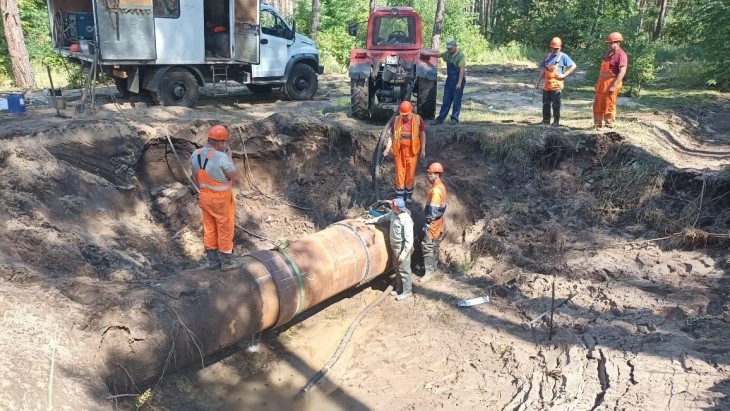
point(199, 312)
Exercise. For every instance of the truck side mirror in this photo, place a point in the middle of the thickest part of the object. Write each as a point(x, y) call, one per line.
point(352, 29)
point(294, 26)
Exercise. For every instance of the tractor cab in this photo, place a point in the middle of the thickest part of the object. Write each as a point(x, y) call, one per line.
point(399, 29)
point(393, 65)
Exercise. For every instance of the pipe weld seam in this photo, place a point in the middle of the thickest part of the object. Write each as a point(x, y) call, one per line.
point(366, 273)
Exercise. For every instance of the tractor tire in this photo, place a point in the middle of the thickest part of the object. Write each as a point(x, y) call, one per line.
point(121, 85)
point(259, 88)
point(178, 87)
point(360, 98)
point(426, 101)
point(302, 83)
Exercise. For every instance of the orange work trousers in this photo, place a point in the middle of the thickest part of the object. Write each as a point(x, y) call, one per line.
point(604, 105)
point(219, 211)
point(405, 167)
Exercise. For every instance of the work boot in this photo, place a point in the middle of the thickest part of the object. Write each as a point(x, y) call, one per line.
point(403, 296)
point(213, 260)
point(430, 275)
point(437, 122)
point(409, 198)
point(556, 124)
point(228, 263)
point(609, 123)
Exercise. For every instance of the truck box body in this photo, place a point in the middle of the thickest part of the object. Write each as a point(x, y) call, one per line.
point(139, 41)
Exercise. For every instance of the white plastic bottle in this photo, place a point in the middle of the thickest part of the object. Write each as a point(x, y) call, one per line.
point(474, 301)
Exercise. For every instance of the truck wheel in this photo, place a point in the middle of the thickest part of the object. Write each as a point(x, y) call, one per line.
point(302, 82)
point(426, 100)
point(259, 88)
point(177, 88)
point(360, 98)
point(121, 84)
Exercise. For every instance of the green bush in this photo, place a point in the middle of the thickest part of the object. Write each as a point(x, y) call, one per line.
point(683, 74)
point(335, 43)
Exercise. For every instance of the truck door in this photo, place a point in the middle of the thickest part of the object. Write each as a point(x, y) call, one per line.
point(126, 29)
point(276, 37)
point(246, 31)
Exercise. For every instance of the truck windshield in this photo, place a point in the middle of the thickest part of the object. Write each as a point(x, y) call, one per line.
point(394, 31)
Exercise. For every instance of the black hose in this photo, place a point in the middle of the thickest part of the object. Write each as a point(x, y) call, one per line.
point(378, 157)
point(343, 344)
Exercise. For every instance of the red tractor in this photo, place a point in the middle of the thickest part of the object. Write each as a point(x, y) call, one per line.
point(392, 66)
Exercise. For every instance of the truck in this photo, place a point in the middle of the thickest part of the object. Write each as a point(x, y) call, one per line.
point(392, 66)
point(171, 48)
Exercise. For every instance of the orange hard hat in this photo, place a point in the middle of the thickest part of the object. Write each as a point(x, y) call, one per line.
point(218, 133)
point(406, 107)
point(436, 168)
point(615, 37)
point(556, 42)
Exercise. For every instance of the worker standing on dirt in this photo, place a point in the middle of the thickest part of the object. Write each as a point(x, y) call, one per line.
point(554, 69)
point(610, 79)
point(455, 82)
point(401, 242)
point(408, 141)
point(214, 174)
point(434, 230)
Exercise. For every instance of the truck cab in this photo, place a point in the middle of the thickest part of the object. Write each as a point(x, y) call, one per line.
point(170, 48)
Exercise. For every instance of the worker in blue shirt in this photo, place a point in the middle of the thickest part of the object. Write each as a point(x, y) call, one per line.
point(554, 69)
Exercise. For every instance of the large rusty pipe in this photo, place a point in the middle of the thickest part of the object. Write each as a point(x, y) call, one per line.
point(199, 312)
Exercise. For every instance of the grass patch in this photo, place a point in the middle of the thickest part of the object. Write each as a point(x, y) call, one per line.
point(64, 77)
point(503, 143)
point(334, 314)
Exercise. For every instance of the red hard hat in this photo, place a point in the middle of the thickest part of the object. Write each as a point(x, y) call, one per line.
point(556, 42)
point(75, 47)
point(615, 37)
point(218, 133)
point(406, 107)
point(436, 168)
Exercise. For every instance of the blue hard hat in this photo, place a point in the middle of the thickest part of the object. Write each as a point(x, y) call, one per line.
point(400, 203)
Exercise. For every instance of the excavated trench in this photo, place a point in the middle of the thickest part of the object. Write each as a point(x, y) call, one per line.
point(94, 211)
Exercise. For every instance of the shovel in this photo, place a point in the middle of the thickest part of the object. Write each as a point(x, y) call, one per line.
point(53, 94)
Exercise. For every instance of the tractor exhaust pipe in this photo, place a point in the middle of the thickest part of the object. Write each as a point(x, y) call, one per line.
point(179, 321)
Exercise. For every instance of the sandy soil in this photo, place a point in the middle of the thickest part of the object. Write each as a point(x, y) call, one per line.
point(99, 202)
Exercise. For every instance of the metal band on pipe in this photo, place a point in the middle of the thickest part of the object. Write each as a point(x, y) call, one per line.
point(300, 280)
point(366, 273)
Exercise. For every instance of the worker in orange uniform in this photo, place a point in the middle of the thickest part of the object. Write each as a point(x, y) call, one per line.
point(214, 174)
point(434, 230)
point(554, 69)
point(610, 77)
point(408, 141)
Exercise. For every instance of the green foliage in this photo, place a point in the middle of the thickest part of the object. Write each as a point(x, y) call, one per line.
point(714, 35)
point(335, 43)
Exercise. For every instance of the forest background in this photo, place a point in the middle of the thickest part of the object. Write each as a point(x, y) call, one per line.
point(679, 43)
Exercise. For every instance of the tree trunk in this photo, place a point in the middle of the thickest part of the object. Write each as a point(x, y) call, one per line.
point(438, 25)
point(315, 17)
point(373, 5)
point(16, 45)
point(661, 18)
point(642, 8)
point(599, 12)
point(488, 16)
